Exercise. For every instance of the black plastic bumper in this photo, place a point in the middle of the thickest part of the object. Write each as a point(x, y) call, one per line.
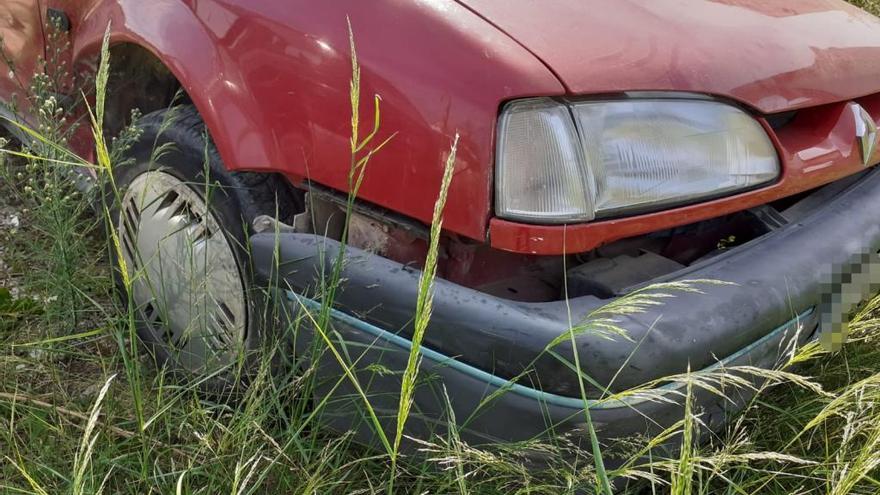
point(773, 282)
point(488, 409)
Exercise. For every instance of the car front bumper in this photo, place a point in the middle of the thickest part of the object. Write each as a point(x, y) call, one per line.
point(493, 356)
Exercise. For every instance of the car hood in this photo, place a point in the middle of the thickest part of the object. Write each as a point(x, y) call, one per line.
point(772, 55)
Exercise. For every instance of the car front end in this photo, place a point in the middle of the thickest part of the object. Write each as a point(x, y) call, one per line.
point(680, 215)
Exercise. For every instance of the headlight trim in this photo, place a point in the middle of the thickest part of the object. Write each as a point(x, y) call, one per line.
point(742, 155)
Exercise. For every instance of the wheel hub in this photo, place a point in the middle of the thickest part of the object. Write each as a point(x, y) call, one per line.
point(185, 282)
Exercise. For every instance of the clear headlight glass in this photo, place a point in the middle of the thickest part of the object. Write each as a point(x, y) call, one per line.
point(573, 162)
point(541, 176)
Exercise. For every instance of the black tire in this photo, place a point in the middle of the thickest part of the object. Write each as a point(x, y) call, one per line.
point(234, 200)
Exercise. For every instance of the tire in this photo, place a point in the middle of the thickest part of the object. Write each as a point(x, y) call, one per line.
point(182, 222)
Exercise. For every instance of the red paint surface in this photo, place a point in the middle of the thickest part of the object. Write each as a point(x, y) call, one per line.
point(21, 28)
point(270, 77)
point(772, 55)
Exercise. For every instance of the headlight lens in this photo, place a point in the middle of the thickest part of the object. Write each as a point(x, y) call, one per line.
point(565, 163)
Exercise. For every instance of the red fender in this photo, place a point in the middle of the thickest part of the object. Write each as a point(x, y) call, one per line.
point(271, 79)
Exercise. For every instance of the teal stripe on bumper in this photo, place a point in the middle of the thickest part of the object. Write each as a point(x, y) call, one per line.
point(621, 400)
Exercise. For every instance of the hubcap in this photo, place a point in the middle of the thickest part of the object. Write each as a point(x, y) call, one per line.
point(184, 278)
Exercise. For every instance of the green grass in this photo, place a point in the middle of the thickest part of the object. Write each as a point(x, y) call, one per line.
point(83, 409)
point(872, 6)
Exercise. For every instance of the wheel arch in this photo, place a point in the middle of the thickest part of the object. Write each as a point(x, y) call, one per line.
point(177, 52)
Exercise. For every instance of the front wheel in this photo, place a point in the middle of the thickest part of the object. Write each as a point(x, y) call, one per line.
point(182, 223)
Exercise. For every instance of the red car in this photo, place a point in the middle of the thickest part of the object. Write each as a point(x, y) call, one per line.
point(605, 145)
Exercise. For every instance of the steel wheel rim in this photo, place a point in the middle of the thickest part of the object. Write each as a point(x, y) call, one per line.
point(183, 277)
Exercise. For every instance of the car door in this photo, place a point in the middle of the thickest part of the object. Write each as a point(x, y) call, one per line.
point(22, 37)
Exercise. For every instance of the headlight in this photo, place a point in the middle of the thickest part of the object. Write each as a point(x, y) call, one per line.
point(573, 162)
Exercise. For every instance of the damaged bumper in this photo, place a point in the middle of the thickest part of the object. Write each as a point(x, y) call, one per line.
point(477, 345)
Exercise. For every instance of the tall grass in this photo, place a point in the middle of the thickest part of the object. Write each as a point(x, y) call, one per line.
point(83, 411)
point(423, 312)
point(356, 174)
